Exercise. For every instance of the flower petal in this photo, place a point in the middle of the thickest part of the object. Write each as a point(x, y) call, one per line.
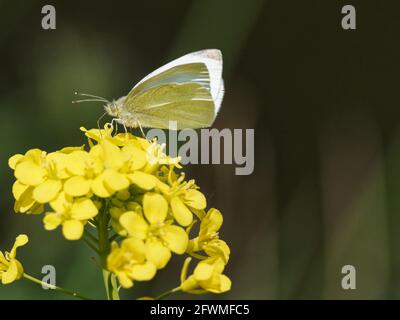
point(189, 284)
point(203, 271)
point(136, 156)
point(58, 161)
point(210, 224)
point(134, 224)
point(114, 180)
point(20, 241)
point(155, 207)
point(217, 248)
point(100, 189)
point(143, 180)
point(3, 262)
point(112, 155)
point(180, 212)
point(176, 239)
point(68, 150)
point(158, 254)
point(35, 155)
point(13, 273)
point(72, 229)
point(225, 283)
point(29, 173)
point(18, 189)
point(136, 248)
point(83, 209)
point(47, 191)
point(24, 196)
point(219, 283)
point(195, 199)
point(52, 221)
point(77, 186)
point(143, 272)
point(13, 161)
point(124, 280)
point(62, 203)
point(77, 162)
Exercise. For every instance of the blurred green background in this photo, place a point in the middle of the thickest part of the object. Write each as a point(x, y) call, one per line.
point(324, 104)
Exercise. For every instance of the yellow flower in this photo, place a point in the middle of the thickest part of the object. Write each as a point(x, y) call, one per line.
point(10, 268)
point(120, 167)
point(41, 171)
point(183, 196)
point(206, 277)
point(110, 180)
point(83, 167)
point(160, 236)
point(128, 262)
point(208, 239)
point(71, 213)
point(156, 156)
point(97, 135)
point(23, 193)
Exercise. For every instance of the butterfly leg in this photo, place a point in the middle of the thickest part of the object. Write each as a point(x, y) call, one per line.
point(140, 127)
point(123, 124)
point(126, 130)
point(141, 130)
point(115, 120)
point(99, 119)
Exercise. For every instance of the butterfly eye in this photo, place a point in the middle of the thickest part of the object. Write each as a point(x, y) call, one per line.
point(114, 107)
point(111, 108)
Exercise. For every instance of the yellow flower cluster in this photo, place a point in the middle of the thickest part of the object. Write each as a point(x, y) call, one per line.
point(133, 186)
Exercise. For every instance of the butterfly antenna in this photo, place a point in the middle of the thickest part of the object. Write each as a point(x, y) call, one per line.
point(88, 100)
point(93, 98)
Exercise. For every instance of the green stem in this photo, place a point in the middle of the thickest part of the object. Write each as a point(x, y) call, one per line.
point(90, 244)
point(50, 286)
point(166, 294)
point(104, 250)
point(90, 235)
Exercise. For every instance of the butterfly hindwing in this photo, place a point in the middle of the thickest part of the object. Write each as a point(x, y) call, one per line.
point(189, 104)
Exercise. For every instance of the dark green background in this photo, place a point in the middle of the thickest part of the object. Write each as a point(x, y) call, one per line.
point(324, 103)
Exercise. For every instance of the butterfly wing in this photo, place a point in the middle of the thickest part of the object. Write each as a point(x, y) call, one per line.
point(173, 72)
point(189, 104)
point(203, 68)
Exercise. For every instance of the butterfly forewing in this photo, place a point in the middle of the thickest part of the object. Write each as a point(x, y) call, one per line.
point(187, 73)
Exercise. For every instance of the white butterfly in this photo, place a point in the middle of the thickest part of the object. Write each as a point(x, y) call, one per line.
point(188, 90)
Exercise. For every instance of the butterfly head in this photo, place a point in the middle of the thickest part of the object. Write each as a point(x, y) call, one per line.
point(114, 108)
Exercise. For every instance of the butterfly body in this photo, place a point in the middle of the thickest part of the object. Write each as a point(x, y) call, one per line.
point(188, 90)
point(118, 110)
